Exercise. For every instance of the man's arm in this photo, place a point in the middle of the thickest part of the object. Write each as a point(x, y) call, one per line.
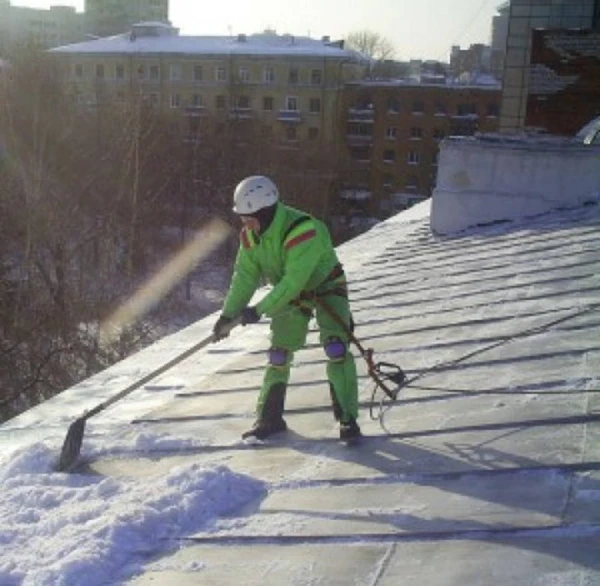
point(245, 280)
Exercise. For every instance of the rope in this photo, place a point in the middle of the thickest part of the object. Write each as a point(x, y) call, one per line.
point(522, 334)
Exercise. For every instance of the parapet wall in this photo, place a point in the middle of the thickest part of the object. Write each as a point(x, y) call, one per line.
point(492, 178)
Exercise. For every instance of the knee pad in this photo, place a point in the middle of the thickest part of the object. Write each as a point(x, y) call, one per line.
point(278, 357)
point(335, 349)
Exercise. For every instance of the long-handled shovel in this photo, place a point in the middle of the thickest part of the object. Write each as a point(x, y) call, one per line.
point(72, 444)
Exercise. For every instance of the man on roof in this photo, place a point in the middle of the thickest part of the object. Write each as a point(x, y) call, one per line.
point(294, 253)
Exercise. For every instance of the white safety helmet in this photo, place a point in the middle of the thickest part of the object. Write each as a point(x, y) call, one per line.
point(253, 194)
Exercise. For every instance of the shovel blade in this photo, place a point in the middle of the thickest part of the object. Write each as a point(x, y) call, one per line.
point(71, 446)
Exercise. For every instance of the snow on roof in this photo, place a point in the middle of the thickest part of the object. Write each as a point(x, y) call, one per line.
point(262, 44)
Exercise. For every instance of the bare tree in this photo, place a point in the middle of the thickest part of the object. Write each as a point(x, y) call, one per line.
point(374, 46)
point(371, 44)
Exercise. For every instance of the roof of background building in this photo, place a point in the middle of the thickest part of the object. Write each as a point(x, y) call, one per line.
point(166, 40)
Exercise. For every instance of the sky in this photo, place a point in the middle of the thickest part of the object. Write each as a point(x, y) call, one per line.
point(424, 29)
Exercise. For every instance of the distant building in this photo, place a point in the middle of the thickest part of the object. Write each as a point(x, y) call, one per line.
point(564, 81)
point(291, 84)
point(524, 16)
point(41, 28)
point(500, 27)
point(478, 58)
point(112, 17)
point(392, 135)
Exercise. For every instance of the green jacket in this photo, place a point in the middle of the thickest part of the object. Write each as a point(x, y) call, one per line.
point(293, 262)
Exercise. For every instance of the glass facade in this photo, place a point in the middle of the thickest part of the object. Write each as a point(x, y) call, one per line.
point(526, 15)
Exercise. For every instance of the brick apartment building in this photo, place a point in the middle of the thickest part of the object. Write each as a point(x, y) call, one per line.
point(392, 134)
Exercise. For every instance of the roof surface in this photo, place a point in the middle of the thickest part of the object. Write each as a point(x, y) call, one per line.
point(486, 470)
point(265, 44)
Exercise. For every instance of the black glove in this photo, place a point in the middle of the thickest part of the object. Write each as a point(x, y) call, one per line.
point(221, 329)
point(249, 315)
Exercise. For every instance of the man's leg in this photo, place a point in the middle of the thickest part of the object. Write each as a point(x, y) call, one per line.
point(288, 333)
point(341, 368)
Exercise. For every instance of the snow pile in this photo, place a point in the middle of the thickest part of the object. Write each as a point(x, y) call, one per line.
point(140, 441)
point(59, 529)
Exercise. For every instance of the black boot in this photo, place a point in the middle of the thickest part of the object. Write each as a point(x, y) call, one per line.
point(349, 430)
point(271, 419)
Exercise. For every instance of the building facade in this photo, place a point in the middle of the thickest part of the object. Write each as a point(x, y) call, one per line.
point(104, 18)
point(524, 16)
point(393, 131)
point(564, 83)
point(290, 84)
point(20, 25)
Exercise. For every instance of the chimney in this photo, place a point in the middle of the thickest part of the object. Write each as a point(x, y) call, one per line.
point(326, 39)
point(242, 38)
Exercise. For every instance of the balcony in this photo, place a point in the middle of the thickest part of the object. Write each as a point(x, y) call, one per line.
point(292, 116)
point(195, 111)
point(355, 195)
point(361, 115)
point(358, 139)
point(240, 114)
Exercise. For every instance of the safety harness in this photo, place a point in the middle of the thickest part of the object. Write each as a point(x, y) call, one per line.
point(382, 373)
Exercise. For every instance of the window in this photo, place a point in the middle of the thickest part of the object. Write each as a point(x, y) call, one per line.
point(416, 132)
point(391, 132)
point(438, 134)
point(243, 102)
point(414, 158)
point(412, 183)
point(175, 100)
point(78, 70)
point(120, 72)
point(100, 71)
point(197, 101)
point(313, 133)
point(141, 72)
point(314, 105)
point(393, 105)
point(293, 75)
point(269, 75)
point(197, 73)
point(291, 103)
point(388, 180)
point(154, 72)
point(268, 103)
point(466, 109)
point(175, 72)
point(418, 107)
point(316, 77)
point(440, 109)
point(220, 102)
point(389, 156)
point(244, 74)
point(493, 110)
point(291, 133)
point(153, 98)
point(221, 73)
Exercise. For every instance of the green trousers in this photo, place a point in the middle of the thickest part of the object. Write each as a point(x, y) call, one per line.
point(288, 332)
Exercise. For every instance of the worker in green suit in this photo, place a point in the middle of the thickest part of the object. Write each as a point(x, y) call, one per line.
point(294, 253)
